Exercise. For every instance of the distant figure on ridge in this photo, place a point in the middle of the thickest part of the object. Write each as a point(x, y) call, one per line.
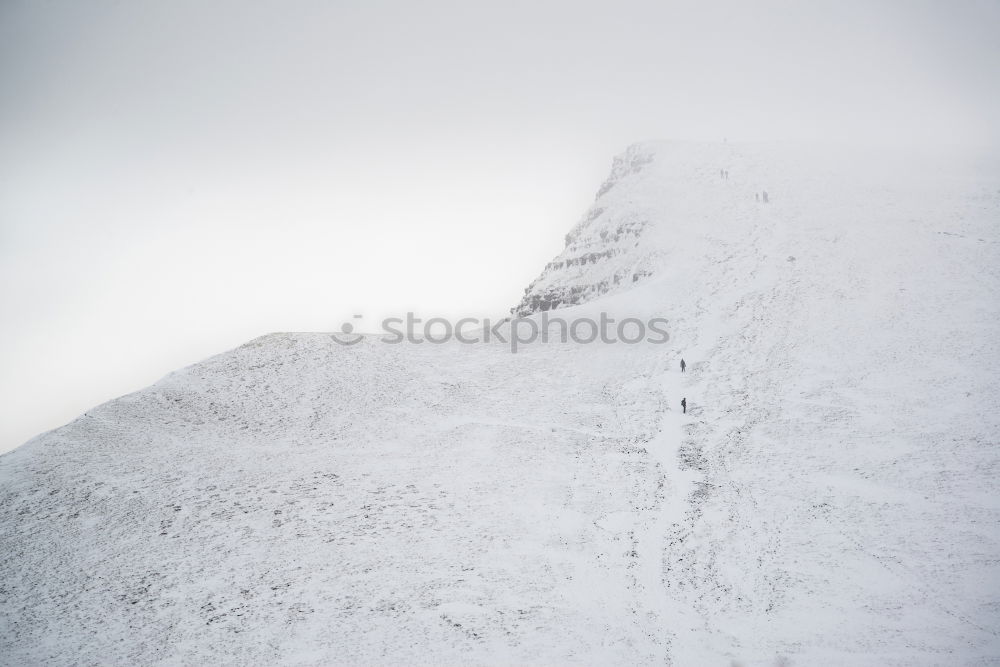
point(684, 405)
point(683, 365)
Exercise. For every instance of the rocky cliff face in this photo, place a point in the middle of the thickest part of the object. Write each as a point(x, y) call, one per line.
point(656, 199)
point(602, 251)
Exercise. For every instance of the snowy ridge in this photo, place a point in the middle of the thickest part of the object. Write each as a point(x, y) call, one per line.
point(606, 241)
point(655, 192)
point(829, 497)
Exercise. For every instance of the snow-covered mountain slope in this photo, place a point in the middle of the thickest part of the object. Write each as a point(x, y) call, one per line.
point(830, 495)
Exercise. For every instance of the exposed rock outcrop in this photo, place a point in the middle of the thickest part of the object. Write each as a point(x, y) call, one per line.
point(602, 251)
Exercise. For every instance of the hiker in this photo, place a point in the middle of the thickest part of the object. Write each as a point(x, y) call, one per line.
point(683, 365)
point(765, 196)
point(684, 404)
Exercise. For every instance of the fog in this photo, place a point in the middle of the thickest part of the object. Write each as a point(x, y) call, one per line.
point(179, 177)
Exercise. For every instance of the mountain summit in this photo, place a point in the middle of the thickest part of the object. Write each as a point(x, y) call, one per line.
point(827, 495)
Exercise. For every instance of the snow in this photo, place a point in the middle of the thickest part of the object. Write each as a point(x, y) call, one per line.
point(830, 497)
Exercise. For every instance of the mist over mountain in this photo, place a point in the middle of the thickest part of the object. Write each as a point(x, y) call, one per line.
point(827, 495)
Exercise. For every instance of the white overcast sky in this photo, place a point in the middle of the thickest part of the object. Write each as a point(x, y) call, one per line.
point(177, 177)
